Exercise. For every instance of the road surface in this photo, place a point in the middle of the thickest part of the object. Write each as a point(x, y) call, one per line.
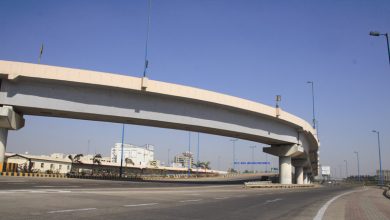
point(45, 198)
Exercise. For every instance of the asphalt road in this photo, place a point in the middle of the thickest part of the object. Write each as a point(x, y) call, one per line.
point(41, 198)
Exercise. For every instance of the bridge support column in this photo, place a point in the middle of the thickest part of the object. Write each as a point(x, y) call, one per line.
point(285, 153)
point(299, 174)
point(3, 144)
point(9, 120)
point(285, 170)
point(305, 178)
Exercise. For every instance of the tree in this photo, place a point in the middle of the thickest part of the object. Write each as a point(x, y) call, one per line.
point(206, 165)
point(76, 158)
point(129, 161)
point(97, 159)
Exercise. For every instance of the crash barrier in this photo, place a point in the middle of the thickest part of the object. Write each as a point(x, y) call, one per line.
point(33, 174)
point(268, 184)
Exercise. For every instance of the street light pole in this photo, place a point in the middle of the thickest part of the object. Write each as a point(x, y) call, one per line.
point(376, 34)
point(380, 180)
point(189, 154)
point(253, 157)
point(197, 155)
point(357, 157)
point(123, 138)
point(147, 40)
point(346, 168)
point(169, 151)
point(234, 152)
point(312, 94)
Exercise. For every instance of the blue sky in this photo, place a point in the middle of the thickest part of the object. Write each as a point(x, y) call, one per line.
point(250, 49)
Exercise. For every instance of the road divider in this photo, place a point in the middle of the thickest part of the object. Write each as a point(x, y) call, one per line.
point(33, 175)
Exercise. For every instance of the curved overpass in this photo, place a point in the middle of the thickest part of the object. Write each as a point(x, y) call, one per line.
point(32, 89)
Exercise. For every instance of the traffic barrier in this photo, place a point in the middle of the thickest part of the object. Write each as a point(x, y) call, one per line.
point(33, 175)
point(276, 185)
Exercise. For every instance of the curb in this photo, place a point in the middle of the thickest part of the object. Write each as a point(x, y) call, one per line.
point(33, 175)
point(386, 193)
point(276, 185)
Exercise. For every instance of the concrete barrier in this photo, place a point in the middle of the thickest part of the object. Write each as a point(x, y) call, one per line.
point(276, 185)
point(33, 175)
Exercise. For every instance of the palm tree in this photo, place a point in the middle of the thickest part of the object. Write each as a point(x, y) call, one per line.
point(205, 165)
point(97, 159)
point(76, 158)
point(129, 161)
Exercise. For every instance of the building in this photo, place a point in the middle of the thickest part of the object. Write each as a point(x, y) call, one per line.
point(133, 155)
point(55, 163)
point(88, 159)
point(184, 159)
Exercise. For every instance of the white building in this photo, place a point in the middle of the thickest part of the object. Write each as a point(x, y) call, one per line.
point(141, 156)
point(185, 159)
point(55, 163)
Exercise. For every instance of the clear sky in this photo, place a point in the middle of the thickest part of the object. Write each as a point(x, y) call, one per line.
point(250, 49)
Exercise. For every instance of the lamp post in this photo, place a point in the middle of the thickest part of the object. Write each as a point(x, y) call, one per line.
point(377, 34)
point(312, 94)
point(189, 154)
point(197, 155)
point(123, 138)
point(234, 152)
point(169, 151)
point(253, 157)
point(147, 40)
point(346, 168)
point(357, 157)
point(380, 180)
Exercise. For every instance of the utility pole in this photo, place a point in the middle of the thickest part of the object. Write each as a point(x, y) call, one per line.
point(358, 166)
point(312, 94)
point(253, 157)
point(189, 153)
point(147, 39)
point(168, 157)
point(346, 168)
point(234, 152)
point(123, 138)
point(380, 179)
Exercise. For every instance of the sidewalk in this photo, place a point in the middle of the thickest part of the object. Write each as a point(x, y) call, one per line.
point(367, 204)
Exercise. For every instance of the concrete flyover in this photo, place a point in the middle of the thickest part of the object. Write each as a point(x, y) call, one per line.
point(32, 89)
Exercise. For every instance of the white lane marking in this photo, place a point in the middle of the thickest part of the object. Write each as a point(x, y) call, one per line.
point(192, 194)
point(56, 186)
point(273, 200)
point(191, 200)
point(145, 204)
point(321, 212)
point(5, 192)
point(222, 197)
point(71, 210)
point(37, 191)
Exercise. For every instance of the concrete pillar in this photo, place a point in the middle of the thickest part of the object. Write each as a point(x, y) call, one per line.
point(305, 178)
point(285, 170)
point(299, 174)
point(3, 144)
